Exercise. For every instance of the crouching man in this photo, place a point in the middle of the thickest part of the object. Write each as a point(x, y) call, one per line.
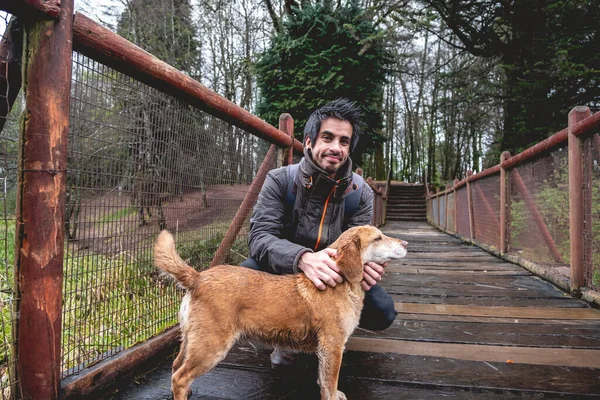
point(303, 208)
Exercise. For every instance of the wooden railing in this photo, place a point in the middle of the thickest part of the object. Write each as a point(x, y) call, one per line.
point(148, 98)
point(538, 208)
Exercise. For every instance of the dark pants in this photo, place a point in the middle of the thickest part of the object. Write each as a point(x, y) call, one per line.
point(378, 311)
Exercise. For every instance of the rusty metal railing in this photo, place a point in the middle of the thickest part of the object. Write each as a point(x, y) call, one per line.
point(539, 208)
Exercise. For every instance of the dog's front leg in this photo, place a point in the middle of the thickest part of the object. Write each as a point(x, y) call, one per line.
point(330, 360)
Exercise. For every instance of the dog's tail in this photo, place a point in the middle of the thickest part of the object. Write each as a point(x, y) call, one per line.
point(167, 259)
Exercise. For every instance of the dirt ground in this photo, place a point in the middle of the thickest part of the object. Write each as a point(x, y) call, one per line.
point(109, 223)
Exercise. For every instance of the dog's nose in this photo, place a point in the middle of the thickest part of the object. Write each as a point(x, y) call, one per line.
point(404, 243)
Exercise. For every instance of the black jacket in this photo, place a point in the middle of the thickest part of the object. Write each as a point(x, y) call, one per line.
point(281, 233)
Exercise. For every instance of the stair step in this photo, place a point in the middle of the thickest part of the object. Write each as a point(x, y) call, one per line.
point(388, 218)
point(406, 210)
point(406, 203)
point(400, 214)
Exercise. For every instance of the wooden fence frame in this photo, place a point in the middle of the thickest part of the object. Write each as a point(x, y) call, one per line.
point(580, 123)
point(42, 182)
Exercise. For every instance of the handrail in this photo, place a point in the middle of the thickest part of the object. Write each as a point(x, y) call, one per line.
point(585, 126)
point(580, 123)
point(35, 9)
point(92, 39)
point(378, 202)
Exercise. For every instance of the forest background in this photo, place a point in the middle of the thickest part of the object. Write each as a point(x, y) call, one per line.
point(446, 86)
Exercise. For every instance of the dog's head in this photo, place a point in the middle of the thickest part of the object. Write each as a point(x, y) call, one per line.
point(359, 245)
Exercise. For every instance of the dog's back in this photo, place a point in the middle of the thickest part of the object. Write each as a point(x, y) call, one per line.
point(279, 310)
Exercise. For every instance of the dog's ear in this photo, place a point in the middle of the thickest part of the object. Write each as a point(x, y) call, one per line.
point(350, 260)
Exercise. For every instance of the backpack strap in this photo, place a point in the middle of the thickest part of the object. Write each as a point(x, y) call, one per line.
point(290, 195)
point(351, 200)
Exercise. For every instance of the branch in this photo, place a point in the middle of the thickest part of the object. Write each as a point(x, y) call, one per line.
point(289, 5)
point(274, 17)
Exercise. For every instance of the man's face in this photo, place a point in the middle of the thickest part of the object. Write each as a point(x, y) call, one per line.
point(332, 146)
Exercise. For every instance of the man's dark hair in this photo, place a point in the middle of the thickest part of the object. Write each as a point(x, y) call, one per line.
point(342, 109)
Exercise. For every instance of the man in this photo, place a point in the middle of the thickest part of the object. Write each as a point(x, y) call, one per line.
point(298, 215)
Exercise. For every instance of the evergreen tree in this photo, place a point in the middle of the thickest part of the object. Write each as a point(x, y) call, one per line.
point(549, 51)
point(322, 54)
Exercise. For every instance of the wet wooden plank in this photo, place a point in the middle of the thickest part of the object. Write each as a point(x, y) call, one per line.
point(227, 383)
point(510, 312)
point(450, 254)
point(521, 355)
point(437, 371)
point(491, 333)
point(505, 320)
point(433, 268)
point(449, 262)
point(458, 278)
point(472, 290)
point(487, 301)
point(427, 271)
point(445, 372)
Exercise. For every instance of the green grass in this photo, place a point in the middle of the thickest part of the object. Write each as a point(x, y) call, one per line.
point(7, 240)
point(118, 215)
point(111, 303)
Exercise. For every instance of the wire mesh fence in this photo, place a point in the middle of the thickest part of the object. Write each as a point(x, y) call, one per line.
point(486, 210)
point(442, 210)
point(591, 198)
point(140, 161)
point(451, 214)
point(9, 137)
point(462, 212)
point(539, 210)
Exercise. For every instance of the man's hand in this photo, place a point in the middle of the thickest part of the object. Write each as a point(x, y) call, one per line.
point(372, 274)
point(320, 268)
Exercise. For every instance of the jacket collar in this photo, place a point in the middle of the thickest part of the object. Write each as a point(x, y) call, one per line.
point(312, 175)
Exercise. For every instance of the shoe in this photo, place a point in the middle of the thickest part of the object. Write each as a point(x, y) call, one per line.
point(283, 358)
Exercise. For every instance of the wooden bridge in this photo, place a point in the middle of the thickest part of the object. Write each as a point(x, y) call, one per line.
point(83, 309)
point(470, 326)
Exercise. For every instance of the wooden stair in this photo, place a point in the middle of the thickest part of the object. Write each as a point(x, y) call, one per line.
point(406, 202)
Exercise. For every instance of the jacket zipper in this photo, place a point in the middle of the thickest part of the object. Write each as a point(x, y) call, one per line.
point(323, 218)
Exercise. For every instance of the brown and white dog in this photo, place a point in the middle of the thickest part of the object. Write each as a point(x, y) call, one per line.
point(226, 303)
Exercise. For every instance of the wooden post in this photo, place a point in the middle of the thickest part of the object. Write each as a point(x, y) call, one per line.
point(576, 211)
point(42, 173)
point(503, 204)
point(446, 197)
point(439, 217)
point(455, 206)
point(244, 209)
point(470, 206)
point(286, 125)
point(588, 177)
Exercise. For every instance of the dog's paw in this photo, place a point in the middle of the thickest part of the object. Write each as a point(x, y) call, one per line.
point(341, 396)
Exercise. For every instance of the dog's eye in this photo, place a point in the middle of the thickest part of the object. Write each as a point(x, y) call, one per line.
point(379, 238)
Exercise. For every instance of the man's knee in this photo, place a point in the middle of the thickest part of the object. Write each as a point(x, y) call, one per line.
point(251, 263)
point(379, 311)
